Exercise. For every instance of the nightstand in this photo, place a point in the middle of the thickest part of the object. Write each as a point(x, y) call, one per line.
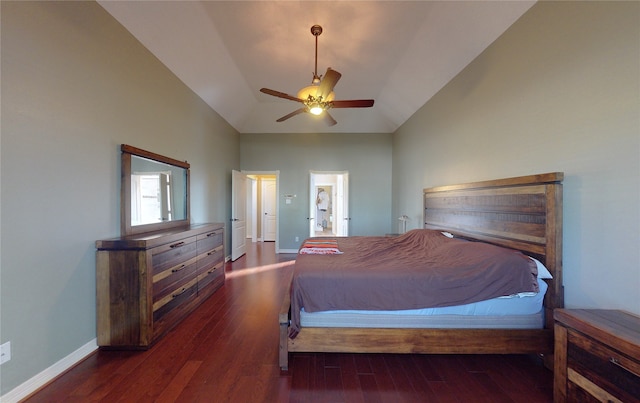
point(597, 356)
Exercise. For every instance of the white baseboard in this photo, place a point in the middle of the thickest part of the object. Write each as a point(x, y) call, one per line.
point(49, 374)
point(294, 251)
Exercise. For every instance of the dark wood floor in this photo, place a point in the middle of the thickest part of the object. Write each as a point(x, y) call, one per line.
point(227, 349)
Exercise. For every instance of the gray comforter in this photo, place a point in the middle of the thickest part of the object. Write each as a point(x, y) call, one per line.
point(420, 269)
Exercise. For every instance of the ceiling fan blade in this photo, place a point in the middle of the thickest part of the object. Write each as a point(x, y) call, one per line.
point(329, 81)
point(354, 103)
point(292, 114)
point(279, 94)
point(328, 119)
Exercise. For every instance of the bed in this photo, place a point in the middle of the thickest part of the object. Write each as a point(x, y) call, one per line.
point(523, 214)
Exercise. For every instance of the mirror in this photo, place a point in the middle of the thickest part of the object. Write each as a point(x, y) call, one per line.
point(154, 192)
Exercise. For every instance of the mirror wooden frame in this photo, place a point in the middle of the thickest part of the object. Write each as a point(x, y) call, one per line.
point(125, 192)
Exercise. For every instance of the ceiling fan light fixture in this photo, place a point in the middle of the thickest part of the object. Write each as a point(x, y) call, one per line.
point(308, 91)
point(311, 91)
point(318, 97)
point(316, 109)
point(317, 105)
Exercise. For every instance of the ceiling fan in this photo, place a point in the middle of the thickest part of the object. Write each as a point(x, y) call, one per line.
point(318, 98)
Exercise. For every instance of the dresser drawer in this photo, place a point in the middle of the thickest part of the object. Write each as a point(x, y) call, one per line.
point(173, 277)
point(214, 273)
point(578, 394)
point(176, 297)
point(210, 258)
point(210, 240)
point(594, 367)
point(174, 307)
point(167, 256)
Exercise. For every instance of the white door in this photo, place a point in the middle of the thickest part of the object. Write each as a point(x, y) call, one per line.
point(269, 215)
point(238, 214)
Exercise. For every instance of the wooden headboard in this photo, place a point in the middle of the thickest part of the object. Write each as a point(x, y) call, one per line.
point(523, 213)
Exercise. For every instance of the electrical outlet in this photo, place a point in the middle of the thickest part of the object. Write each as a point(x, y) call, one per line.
point(5, 352)
point(297, 239)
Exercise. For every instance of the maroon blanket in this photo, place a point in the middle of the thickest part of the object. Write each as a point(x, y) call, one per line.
point(420, 269)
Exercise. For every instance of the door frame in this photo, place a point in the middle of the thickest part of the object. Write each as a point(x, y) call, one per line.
point(341, 213)
point(259, 201)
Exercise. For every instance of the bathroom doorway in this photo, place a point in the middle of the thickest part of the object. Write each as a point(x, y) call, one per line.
point(329, 203)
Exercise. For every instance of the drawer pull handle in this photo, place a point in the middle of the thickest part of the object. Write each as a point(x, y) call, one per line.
point(178, 269)
point(216, 250)
point(179, 293)
point(212, 270)
point(617, 363)
point(212, 234)
point(175, 245)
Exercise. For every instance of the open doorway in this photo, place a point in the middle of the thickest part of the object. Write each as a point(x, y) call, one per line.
point(328, 208)
point(255, 204)
point(262, 220)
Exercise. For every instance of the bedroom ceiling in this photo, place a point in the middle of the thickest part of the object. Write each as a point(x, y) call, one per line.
point(395, 52)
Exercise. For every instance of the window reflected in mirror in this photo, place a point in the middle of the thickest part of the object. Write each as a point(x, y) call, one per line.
point(150, 198)
point(155, 191)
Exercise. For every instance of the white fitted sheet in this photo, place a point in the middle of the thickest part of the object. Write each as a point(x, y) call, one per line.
point(516, 312)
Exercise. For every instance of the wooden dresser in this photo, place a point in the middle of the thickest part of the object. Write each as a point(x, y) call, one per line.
point(597, 356)
point(147, 283)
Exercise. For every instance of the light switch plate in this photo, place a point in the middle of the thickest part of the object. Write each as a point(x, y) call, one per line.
point(5, 352)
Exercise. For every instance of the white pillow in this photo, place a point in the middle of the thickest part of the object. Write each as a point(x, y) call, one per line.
point(543, 272)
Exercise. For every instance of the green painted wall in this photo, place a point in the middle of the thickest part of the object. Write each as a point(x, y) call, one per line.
point(367, 158)
point(75, 85)
point(558, 91)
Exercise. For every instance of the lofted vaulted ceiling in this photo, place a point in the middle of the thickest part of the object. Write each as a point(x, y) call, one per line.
point(399, 53)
